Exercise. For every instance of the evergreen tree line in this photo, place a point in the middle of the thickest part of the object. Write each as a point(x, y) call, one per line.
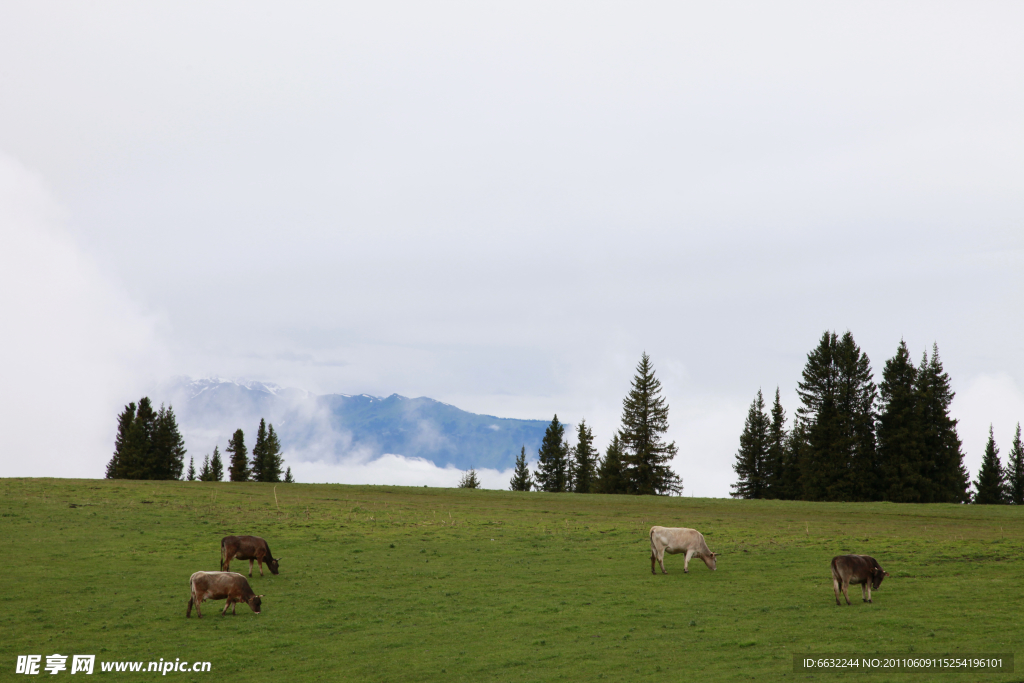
point(148, 444)
point(996, 484)
point(853, 440)
point(635, 462)
point(264, 465)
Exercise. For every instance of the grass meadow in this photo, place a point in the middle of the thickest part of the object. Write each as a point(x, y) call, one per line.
point(382, 583)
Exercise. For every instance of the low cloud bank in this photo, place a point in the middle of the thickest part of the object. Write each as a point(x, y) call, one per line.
point(390, 469)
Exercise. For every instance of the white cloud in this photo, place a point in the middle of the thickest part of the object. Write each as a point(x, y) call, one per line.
point(73, 346)
point(394, 470)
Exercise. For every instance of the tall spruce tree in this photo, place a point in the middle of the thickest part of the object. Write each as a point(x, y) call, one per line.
point(139, 454)
point(122, 443)
point(1015, 470)
point(610, 475)
point(273, 462)
point(838, 396)
point(775, 463)
point(239, 462)
point(904, 472)
point(553, 460)
point(259, 451)
point(167, 455)
point(990, 487)
point(752, 456)
point(646, 456)
point(521, 480)
point(191, 474)
point(216, 466)
point(584, 460)
point(795, 463)
point(941, 444)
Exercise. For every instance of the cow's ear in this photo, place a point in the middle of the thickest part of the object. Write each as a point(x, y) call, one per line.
point(258, 596)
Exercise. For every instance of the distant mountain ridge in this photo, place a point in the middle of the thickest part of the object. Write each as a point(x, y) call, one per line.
point(333, 427)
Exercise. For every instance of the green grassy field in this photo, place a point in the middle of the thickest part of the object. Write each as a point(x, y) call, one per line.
point(383, 583)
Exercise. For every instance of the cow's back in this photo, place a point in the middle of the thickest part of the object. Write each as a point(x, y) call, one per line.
point(678, 539)
point(853, 568)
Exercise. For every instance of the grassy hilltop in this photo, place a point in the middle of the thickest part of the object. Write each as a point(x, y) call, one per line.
point(382, 583)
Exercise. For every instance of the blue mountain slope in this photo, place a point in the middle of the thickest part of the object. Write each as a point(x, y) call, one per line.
point(337, 426)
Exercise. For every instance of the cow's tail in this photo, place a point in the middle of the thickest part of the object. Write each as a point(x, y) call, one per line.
point(835, 571)
point(223, 554)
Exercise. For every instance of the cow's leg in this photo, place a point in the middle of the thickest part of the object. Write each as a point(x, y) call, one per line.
point(226, 605)
point(686, 562)
point(867, 585)
point(661, 560)
point(188, 612)
point(846, 591)
point(250, 569)
point(199, 602)
point(835, 589)
point(864, 592)
point(259, 561)
point(654, 558)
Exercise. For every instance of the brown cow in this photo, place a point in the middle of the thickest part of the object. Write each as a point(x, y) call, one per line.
point(866, 571)
point(679, 540)
point(246, 548)
point(217, 585)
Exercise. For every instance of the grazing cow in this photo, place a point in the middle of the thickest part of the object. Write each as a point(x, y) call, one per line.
point(246, 548)
point(847, 569)
point(216, 585)
point(672, 541)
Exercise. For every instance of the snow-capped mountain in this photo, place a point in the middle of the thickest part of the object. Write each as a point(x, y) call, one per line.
point(340, 426)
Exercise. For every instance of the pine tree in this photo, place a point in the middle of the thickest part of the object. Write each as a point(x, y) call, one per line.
point(469, 480)
point(991, 483)
point(584, 460)
point(644, 422)
point(288, 476)
point(752, 456)
point(122, 443)
point(239, 468)
point(610, 477)
point(796, 461)
point(775, 464)
point(837, 417)
point(136, 460)
point(204, 473)
point(903, 471)
point(1015, 470)
point(521, 480)
point(553, 460)
point(273, 462)
point(191, 475)
point(167, 455)
point(259, 453)
point(216, 466)
point(945, 457)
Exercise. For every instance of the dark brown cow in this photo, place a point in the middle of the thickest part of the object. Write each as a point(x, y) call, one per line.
point(216, 585)
point(246, 548)
point(866, 571)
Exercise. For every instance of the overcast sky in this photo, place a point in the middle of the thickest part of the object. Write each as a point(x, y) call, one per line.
point(501, 206)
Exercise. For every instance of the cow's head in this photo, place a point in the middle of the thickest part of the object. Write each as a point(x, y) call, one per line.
point(710, 560)
point(273, 565)
point(254, 603)
point(876, 577)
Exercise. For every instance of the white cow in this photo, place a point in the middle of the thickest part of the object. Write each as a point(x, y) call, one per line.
point(679, 540)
